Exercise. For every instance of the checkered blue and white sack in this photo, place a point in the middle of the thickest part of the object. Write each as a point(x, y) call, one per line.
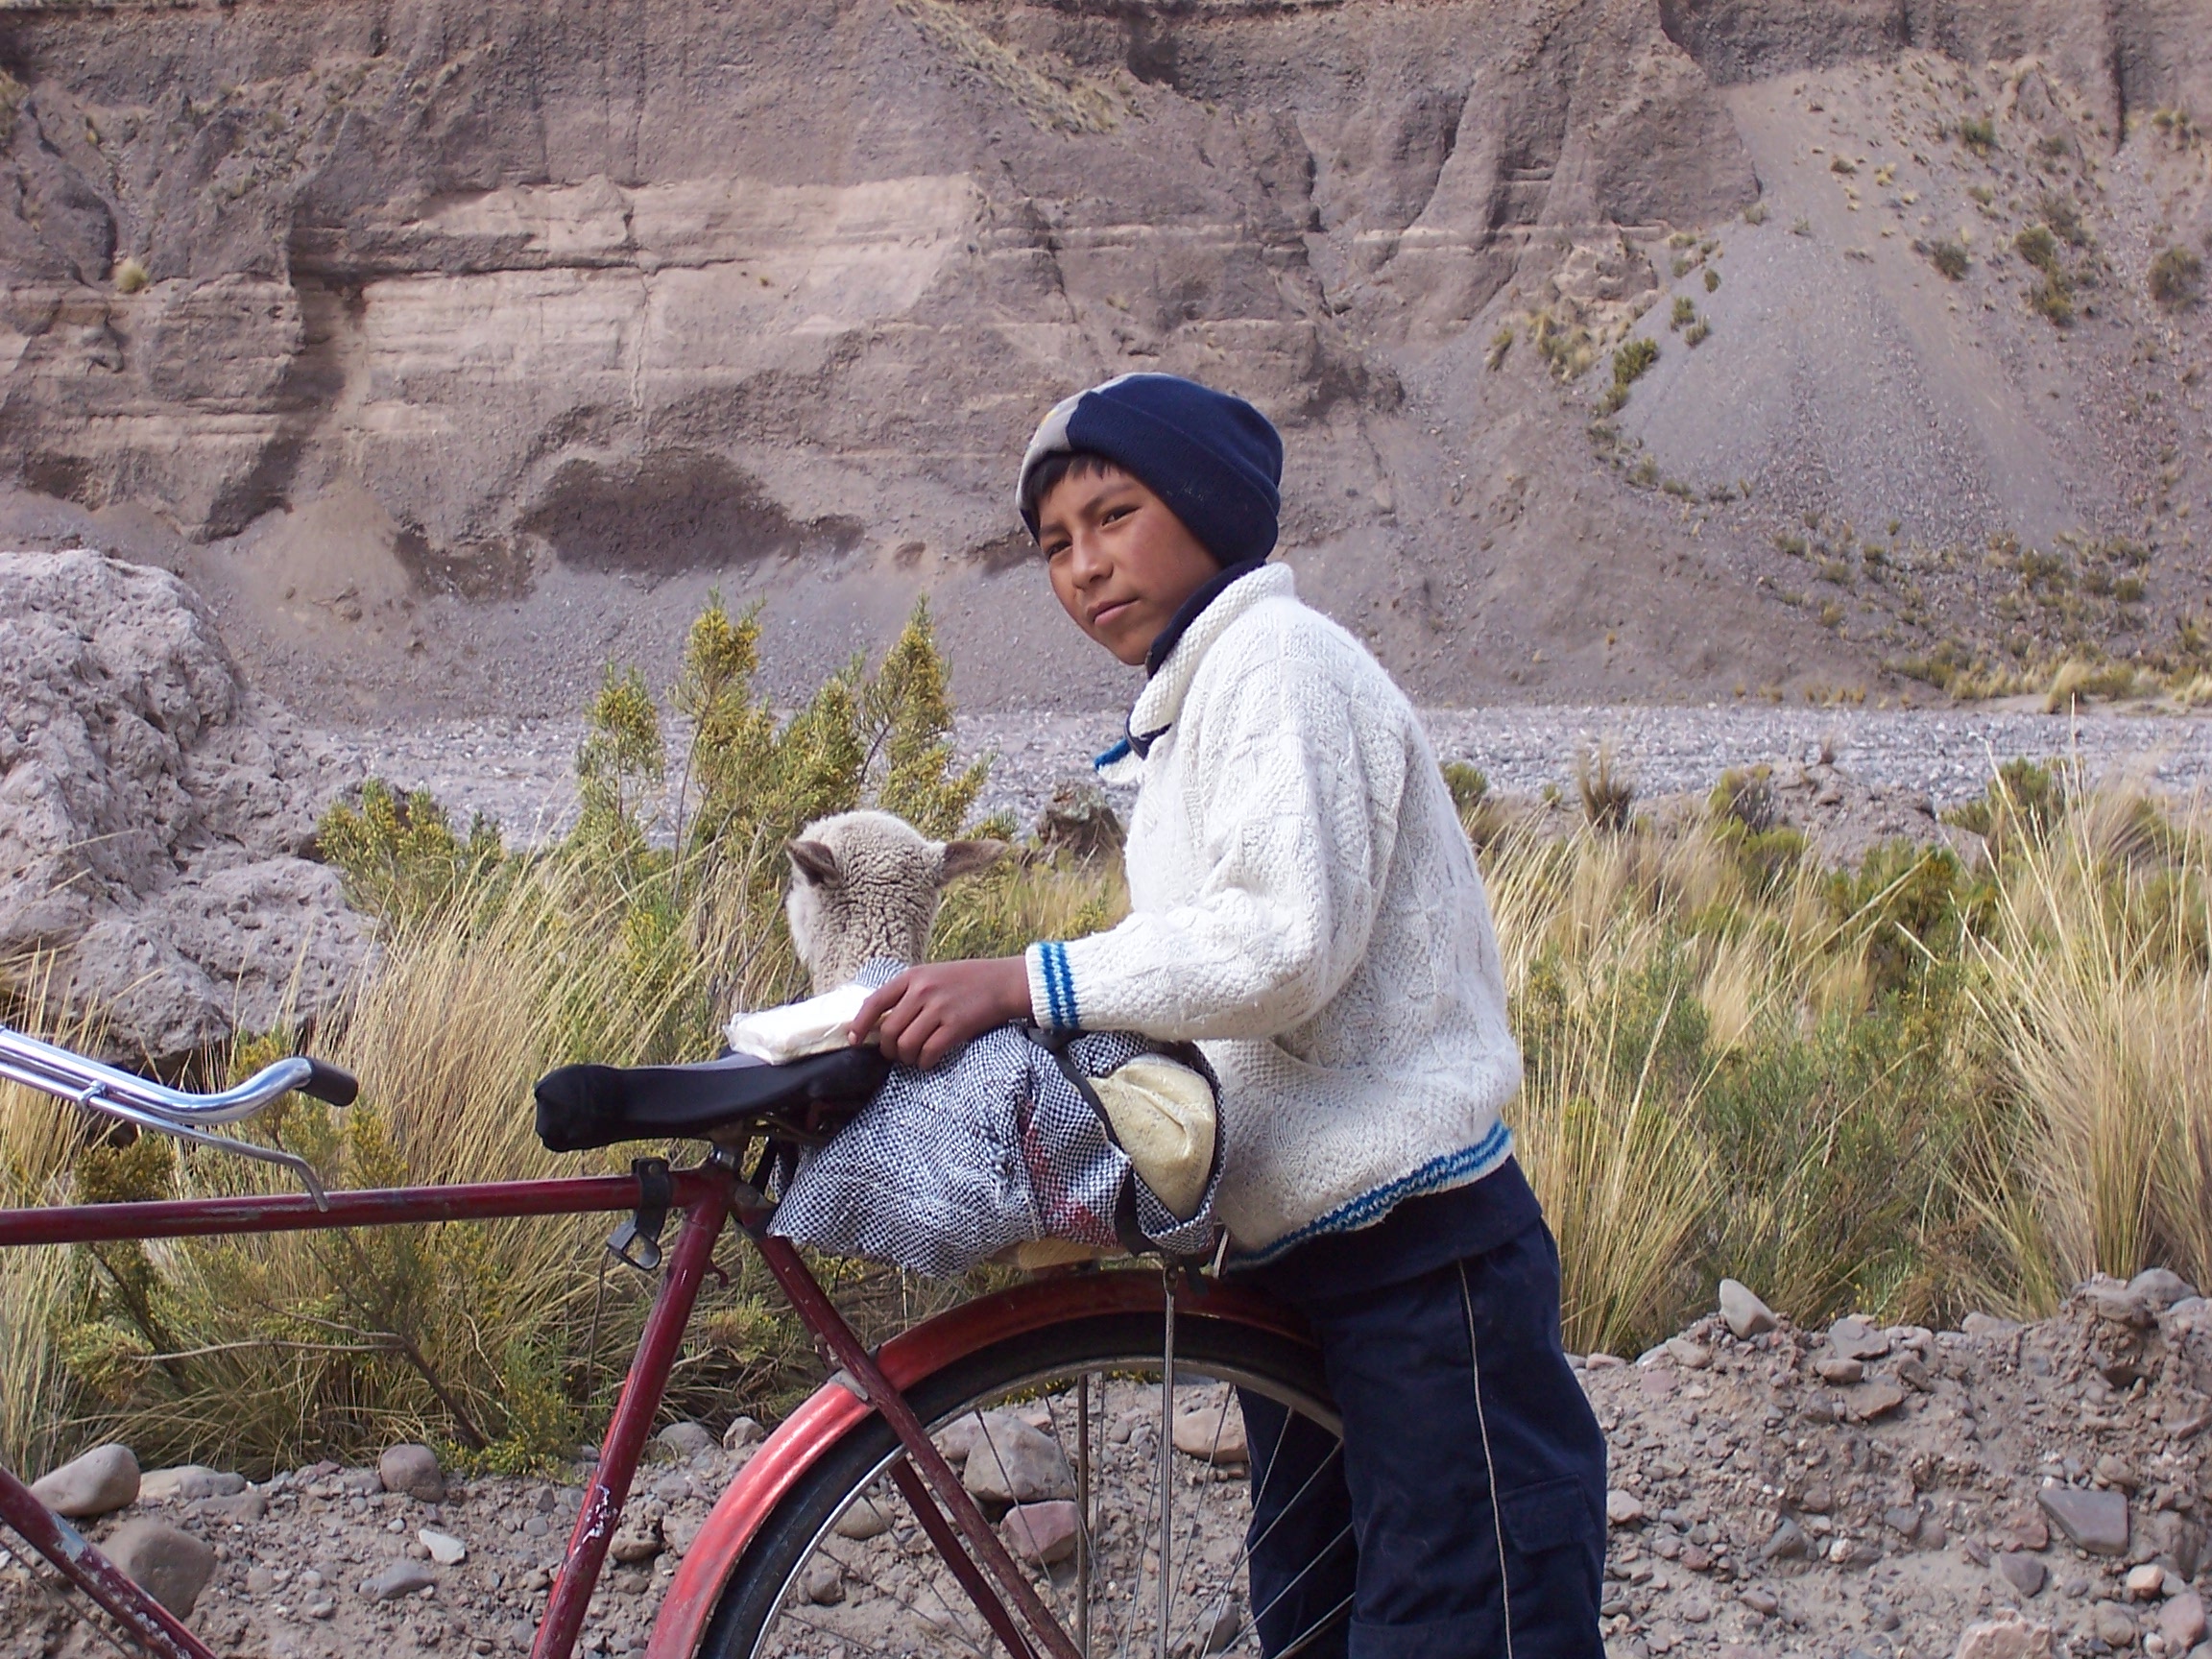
point(995, 1147)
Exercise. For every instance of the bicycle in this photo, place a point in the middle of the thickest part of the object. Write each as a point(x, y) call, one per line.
point(850, 1527)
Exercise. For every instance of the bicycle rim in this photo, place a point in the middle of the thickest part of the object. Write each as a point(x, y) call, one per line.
point(805, 1588)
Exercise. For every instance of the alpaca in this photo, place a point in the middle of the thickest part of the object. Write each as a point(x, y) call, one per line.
point(866, 886)
point(1007, 1149)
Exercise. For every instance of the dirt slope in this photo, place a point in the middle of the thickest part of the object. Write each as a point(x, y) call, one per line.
point(449, 348)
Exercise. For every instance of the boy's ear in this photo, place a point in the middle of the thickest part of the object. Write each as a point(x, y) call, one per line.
point(966, 857)
point(813, 860)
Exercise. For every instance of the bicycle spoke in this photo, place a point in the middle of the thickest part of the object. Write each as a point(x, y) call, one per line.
point(1244, 1551)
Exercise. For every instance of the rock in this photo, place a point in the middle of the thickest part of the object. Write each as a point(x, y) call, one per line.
point(1010, 1462)
point(413, 1469)
point(1745, 1314)
point(822, 1584)
point(260, 1580)
point(187, 1482)
point(238, 1509)
point(170, 1565)
point(1040, 1532)
point(2023, 1571)
point(445, 1548)
point(2144, 1582)
point(2117, 1303)
point(637, 1539)
point(743, 1431)
point(1987, 1325)
point(1818, 1499)
point(1975, 1550)
point(1759, 1600)
point(1906, 1523)
point(95, 1483)
point(1214, 1430)
point(1854, 1338)
point(2114, 1471)
point(2007, 1636)
point(400, 1579)
point(2031, 1533)
point(861, 1521)
point(1623, 1508)
point(151, 831)
point(2182, 1622)
point(1834, 1369)
point(1914, 1373)
point(2179, 1543)
point(2114, 1624)
point(2160, 1287)
point(1876, 1399)
point(685, 1439)
point(1689, 1356)
point(2097, 1522)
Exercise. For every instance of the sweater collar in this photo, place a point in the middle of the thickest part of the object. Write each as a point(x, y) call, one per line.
point(1204, 619)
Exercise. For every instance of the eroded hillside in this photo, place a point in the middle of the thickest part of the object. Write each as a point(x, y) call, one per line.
point(450, 347)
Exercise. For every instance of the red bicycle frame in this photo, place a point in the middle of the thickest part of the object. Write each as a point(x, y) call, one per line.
point(706, 1197)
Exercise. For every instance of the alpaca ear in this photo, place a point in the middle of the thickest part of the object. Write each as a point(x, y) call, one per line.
point(966, 857)
point(813, 860)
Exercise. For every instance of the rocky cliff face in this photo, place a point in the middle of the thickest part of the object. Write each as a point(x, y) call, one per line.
point(449, 347)
point(153, 814)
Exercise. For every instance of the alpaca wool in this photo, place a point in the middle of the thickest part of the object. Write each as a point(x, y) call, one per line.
point(1213, 459)
point(1304, 904)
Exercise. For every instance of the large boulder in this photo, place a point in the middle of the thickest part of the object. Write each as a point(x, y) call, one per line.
point(155, 814)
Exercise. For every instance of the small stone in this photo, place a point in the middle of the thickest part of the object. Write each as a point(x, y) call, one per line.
point(100, 1481)
point(414, 1470)
point(1912, 1371)
point(262, 1580)
point(822, 1584)
point(1223, 1625)
point(324, 1608)
point(1010, 1462)
point(1040, 1532)
point(536, 1526)
point(1746, 1315)
point(235, 1511)
point(1987, 1325)
point(2031, 1533)
point(2179, 1542)
point(187, 1481)
point(862, 1521)
point(1902, 1520)
point(400, 1579)
point(2161, 1287)
point(2114, 1624)
point(2007, 1636)
point(171, 1566)
point(1623, 1508)
point(1818, 1498)
point(1876, 1399)
point(1975, 1550)
point(1837, 1370)
point(1759, 1600)
point(445, 1548)
point(2182, 1622)
point(2145, 1581)
point(2114, 1471)
point(2023, 1571)
point(1212, 1431)
point(630, 1581)
point(1689, 1356)
point(1787, 1542)
point(2097, 1522)
point(1854, 1338)
point(743, 1431)
point(638, 1539)
point(685, 1439)
point(2117, 1303)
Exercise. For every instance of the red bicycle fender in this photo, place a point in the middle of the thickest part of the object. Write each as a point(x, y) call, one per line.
point(833, 1411)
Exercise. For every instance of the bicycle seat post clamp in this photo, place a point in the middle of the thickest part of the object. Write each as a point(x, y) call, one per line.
point(636, 1242)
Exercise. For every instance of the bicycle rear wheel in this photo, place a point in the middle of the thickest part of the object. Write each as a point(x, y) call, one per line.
point(1049, 1413)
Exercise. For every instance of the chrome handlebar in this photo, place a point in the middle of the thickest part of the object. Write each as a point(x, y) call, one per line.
point(176, 1112)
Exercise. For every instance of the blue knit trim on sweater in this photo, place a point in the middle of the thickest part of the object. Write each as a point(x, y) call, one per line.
point(1059, 986)
point(1120, 752)
point(1452, 1169)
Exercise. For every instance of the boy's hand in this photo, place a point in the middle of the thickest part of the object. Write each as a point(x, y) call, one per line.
point(926, 1013)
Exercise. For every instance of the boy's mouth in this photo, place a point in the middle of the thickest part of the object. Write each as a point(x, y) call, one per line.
point(1107, 615)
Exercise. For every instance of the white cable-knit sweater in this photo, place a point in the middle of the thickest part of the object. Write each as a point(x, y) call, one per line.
point(1305, 906)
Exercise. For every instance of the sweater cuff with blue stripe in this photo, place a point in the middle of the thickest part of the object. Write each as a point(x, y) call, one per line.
point(1052, 987)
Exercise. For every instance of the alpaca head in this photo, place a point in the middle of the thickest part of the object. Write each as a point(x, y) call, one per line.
point(866, 884)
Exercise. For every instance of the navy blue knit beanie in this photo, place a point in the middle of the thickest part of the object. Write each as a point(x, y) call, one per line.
point(1213, 459)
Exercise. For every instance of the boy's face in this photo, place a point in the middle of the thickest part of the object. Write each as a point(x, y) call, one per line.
point(1122, 563)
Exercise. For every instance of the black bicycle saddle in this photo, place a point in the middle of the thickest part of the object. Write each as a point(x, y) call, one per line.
point(580, 1107)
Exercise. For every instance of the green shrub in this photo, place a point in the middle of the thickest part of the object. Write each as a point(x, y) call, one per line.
point(1977, 133)
point(1712, 280)
point(1685, 312)
point(2177, 278)
point(1949, 258)
point(1469, 784)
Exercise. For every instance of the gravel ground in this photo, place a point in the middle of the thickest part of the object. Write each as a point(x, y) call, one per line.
point(521, 771)
point(1856, 1492)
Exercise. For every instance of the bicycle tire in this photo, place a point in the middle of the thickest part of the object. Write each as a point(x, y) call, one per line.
point(762, 1580)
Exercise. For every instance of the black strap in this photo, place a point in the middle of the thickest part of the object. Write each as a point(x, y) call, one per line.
point(636, 1242)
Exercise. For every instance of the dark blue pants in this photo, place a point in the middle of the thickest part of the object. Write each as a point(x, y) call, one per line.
point(1466, 1515)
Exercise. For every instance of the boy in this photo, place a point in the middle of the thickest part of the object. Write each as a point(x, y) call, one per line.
point(1305, 905)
